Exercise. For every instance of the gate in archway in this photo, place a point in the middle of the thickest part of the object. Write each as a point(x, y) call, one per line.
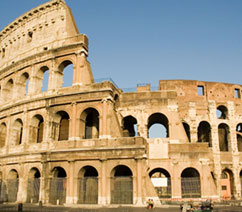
point(88, 190)
point(122, 190)
point(33, 190)
point(191, 187)
point(12, 190)
point(57, 190)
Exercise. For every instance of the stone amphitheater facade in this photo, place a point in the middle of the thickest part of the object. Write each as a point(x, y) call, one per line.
point(90, 143)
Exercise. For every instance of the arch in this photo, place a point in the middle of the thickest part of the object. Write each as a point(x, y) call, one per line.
point(8, 90)
point(63, 125)
point(239, 136)
point(17, 132)
point(129, 126)
point(88, 185)
point(66, 68)
point(224, 138)
point(58, 186)
point(36, 129)
point(3, 190)
point(42, 79)
point(33, 187)
point(162, 182)
point(204, 133)
point(121, 185)
point(90, 123)
point(23, 84)
point(222, 112)
point(187, 130)
point(12, 185)
point(158, 122)
point(3, 134)
point(190, 183)
point(227, 184)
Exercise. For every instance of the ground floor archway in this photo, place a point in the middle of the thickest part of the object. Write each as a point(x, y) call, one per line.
point(57, 193)
point(121, 185)
point(162, 182)
point(88, 185)
point(190, 183)
point(33, 187)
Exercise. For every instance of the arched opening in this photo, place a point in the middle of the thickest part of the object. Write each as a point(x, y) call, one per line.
point(58, 186)
point(8, 90)
point(88, 185)
point(23, 84)
point(90, 123)
point(190, 183)
point(17, 132)
point(129, 126)
point(121, 185)
point(239, 136)
point(3, 134)
point(33, 188)
point(222, 112)
point(36, 129)
point(227, 184)
point(42, 79)
point(224, 138)
point(63, 125)
point(187, 130)
point(162, 182)
point(204, 133)
point(66, 68)
point(12, 184)
point(158, 126)
point(3, 190)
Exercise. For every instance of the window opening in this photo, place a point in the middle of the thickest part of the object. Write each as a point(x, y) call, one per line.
point(200, 90)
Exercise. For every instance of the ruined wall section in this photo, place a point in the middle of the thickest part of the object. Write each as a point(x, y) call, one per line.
point(42, 28)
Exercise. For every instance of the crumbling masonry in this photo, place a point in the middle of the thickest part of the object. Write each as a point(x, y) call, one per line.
point(90, 143)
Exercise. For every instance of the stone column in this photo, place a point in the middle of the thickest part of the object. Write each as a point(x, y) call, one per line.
point(176, 181)
point(70, 184)
point(73, 123)
point(102, 185)
point(139, 174)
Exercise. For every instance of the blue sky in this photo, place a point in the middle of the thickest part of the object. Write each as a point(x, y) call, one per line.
point(144, 41)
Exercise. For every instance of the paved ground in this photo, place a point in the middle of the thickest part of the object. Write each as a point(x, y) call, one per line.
point(29, 208)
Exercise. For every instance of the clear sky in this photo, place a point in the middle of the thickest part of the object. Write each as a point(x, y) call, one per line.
point(143, 41)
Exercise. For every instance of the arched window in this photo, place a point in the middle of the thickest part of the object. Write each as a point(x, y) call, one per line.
point(63, 126)
point(33, 188)
point(90, 123)
point(239, 136)
point(158, 126)
point(3, 134)
point(12, 185)
point(204, 133)
point(66, 68)
point(222, 112)
point(58, 186)
point(162, 182)
point(17, 132)
point(187, 130)
point(36, 132)
point(190, 183)
point(224, 138)
point(129, 126)
point(42, 79)
point(88, 185)
point(121, 185)
point(23, 84)
point(8, 90)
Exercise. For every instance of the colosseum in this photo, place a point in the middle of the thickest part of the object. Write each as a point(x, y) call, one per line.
point(89, 143)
